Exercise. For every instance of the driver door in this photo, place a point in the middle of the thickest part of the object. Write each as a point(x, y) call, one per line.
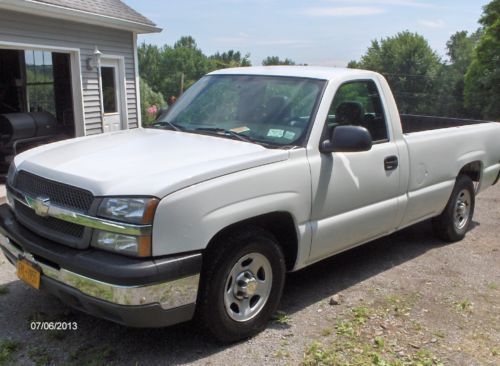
point(356, 193)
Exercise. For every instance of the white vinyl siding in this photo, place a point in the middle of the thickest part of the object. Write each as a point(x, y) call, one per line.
point(29, 29)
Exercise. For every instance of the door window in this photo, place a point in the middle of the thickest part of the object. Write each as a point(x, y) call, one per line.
point(40, 81)
point(358, 103)
point(108, 89)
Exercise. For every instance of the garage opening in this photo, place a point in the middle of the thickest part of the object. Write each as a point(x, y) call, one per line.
point(36, 102)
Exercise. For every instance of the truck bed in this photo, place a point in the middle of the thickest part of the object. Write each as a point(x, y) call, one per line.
point(417, 123)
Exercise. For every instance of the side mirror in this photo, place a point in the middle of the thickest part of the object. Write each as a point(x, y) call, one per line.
point(347, 139)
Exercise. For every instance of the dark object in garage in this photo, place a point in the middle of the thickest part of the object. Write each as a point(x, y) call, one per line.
point(22, 128)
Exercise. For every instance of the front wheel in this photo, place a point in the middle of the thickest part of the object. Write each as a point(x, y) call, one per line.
point(242, 283)
point(456, 218)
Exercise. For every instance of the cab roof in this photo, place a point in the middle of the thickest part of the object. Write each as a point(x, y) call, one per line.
point(312, 72)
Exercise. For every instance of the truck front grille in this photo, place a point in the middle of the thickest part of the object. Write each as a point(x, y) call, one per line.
point(60, 194)
point(49, 223)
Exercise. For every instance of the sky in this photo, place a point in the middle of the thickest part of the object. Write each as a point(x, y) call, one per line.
point(317, 32)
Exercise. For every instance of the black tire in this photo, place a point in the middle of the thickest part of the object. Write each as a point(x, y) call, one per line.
point(448, 225)
point(219, 262)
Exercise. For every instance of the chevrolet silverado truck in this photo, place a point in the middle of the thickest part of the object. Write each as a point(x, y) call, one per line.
point(252, 173)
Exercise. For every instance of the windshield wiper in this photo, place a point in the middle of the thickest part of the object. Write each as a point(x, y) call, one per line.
point(173, 126)
point(223, 132)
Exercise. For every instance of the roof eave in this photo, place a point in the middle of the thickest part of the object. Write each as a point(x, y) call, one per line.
point(59, 12)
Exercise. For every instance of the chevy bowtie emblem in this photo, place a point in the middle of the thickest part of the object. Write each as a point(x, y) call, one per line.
point(41, 206)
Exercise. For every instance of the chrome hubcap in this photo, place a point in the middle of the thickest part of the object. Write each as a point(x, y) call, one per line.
point(248, 286)
point(462, 209)
point(245, 285)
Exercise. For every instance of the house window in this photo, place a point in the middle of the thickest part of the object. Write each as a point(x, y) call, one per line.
point(108, 89)
point(40, 81)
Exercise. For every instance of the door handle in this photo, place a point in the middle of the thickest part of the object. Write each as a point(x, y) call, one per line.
point(391, 162)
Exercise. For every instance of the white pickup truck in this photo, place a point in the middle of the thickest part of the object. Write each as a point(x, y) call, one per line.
point(252, 173)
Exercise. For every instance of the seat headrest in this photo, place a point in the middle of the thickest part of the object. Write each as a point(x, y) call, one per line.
point(350, 112)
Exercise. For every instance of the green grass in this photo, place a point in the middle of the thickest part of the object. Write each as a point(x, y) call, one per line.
point(492, 286)
point(8, 348)
point(398, 305)
point(356, 341)
point(393, 299)
point(345, 328)
point(89, 355)
point(361, 314)
point(464, 306)
point(345, 354)
point(4, 290)
point(317, 354)
point(40, 356)
point(424, 357)
point(379, 342)
point(281, 318)
point(282, 354)
point(325, 332)
point(439, 334)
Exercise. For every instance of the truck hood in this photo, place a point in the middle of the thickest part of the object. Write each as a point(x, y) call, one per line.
point(143, 161)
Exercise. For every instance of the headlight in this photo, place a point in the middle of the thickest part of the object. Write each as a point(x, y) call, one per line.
point(139, 246)
point(131, 210)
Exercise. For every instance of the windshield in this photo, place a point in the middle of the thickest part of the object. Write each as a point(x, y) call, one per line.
point(271, 110)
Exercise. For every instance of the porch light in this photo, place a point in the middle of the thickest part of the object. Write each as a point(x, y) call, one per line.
point(93, 62)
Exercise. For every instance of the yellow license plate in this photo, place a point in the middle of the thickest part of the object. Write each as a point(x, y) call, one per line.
point(28, 273)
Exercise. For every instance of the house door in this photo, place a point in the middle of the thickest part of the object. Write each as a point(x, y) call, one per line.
point(112, 95)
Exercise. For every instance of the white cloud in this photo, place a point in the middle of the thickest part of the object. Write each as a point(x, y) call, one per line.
point(285, 42)
point(436, 24)
point(243, 39)
point(346, 11)
point(240, 38)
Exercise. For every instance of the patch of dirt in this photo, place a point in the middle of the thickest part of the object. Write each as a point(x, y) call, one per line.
point(408, 299)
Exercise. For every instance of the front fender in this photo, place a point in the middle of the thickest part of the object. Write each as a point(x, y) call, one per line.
point(188, 219)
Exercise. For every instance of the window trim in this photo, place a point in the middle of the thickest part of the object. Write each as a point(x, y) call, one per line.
point(382, 104)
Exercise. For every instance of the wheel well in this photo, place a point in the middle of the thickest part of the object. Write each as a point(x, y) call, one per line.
point(279, 224)
point(472, 170)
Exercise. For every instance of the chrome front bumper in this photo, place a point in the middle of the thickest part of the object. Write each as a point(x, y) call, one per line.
point(139, 292)
point(168, 295)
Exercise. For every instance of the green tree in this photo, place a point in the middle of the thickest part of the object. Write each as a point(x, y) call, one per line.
point(460, 48)
point(449, 90)
point(165, 68)
point(275, 60)
point(184, 63)
point(482, 80)
point(230, 58)
point(150, 57)
point(410, 66)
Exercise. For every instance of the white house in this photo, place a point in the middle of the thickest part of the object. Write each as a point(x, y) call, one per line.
point(76, 60)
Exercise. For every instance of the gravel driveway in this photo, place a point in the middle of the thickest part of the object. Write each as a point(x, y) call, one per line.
point(407, 299)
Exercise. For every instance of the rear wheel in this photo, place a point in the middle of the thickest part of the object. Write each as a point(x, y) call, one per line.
point(456, 218)
point(242, 283)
